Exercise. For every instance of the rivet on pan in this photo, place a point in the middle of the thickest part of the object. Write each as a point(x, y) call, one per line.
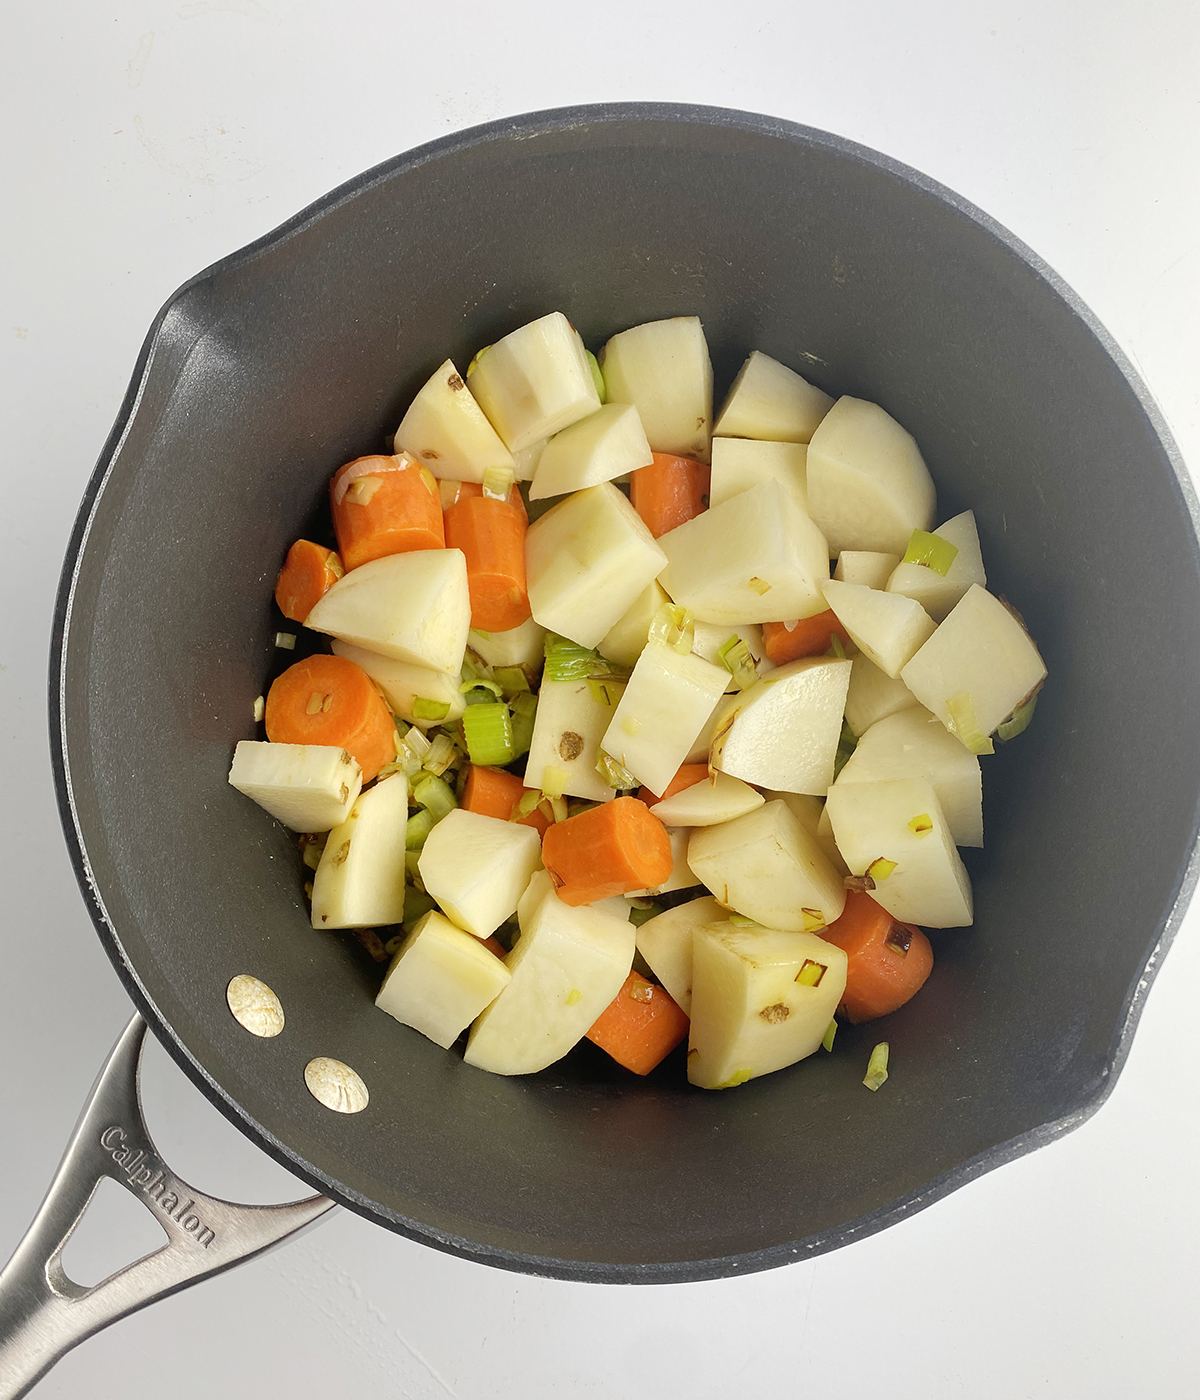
point(255, 1006)
point(335, 1085)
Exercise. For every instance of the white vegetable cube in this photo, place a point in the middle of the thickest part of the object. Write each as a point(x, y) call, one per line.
point(586, 561)
point(519, 646)
point(938, 593)
point(666, 704)
point(784, 731)
point(567, 966)
point(865, 566)
point(761, 1000)
point(811, 814)
point(771, 402)
point(887, 627)
point(359, 882)
point(980, 652)
point(478, 867)
point(699, 752)
point(626, 639)
point(403, 684)
point(681, 876)
point(663, 369)
point(740, 463)
point(534, 382)
point(412, 606)
point(768, 867)
point(913, 744)
point(567, 728)
point(665, 941)
point(873, 695)
point(441, 979)
point(754, 558)
point(868, 486)
point(608, 443)
point(708, 802)
point(307, 787)
point(896, 832)
point(446, 429)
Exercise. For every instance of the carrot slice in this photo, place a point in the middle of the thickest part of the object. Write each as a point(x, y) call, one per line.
point(669, 492)
point(610, 849)
point(329, 700)
point(887, 961)
point(689, 774)
point(308, 573)
point(491, 534)
point(809, 637)
point(640, 1026)
point(494, 793)
point(385, 505)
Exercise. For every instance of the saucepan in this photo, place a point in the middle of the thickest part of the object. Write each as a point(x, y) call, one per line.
point(301, 351)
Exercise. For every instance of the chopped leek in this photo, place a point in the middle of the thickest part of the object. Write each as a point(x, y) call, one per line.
point(932, 550)
point(567, 661)
point(416, 742)
point(880, 868)
point(899, 939)
point(814, 921)
point(435, 796)
point(921, 825)
point(860, 884)
point(877, 1066)
point(475, 358)
point(417, 828)
point(430, 709)
point(835, 646)
point(393, 945)
point(597, 376)
point(511, 679)
point(413, 868)
point(811, 972)
point(847, 743)
point(964, 724)
point(674, 627)
point(260, 709)
point(524, 708)
point(286, 641)
point(498, 482)
point(528, 800)
point(558, 809)
point(613, 774)
point(554, 780)
point(488, 731)
point(491, 688)
point(574, 996)
point(760, 586)
point(442, 753)
point(741, 921)
point(737, 660)
point(1018, 721)
point(830, 1032)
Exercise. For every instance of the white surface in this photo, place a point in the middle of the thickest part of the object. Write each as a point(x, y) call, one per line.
point(143, 140)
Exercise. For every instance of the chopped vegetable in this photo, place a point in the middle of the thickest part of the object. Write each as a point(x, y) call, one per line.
point(771, 402)
point(618, 778)
point(355, 717)
point(810, 636)
point(611, 849)
point(830, 1032)
point(934, 551)
point(385, 505)
point(490, 531)
point(887, 962)
point(435, 710)
point(674, 627)
point(417, 828)
point(434, 794)
point(670, 491)
point(641, 1025)
point(567, 661)
point(735, 657)
point(493, 793)
point(601, 447)
point(1018, 722)
point(685, 777)
point(965, 726)
point(488, 732)
point(309, 788)
point(877, 1067)
point(308, 573)
point(477, 868)
point(359, 881)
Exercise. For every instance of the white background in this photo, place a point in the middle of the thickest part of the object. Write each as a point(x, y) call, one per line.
point(142, 140)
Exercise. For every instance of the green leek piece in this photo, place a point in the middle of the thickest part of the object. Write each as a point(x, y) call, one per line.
point(526, 803)
point(442, 753)
point(524, 708)
point(479, 632)
point(597, 376)
point(674, 627)
point(567, 661)
point(430, 709)
point(512, 680)
point(554, 780)
point(737, 660)
point(811, 973)
point(613, 774)
point(739, 1076)
point(475, 358)
point(931, 550)
point(1018, 721)
point(921, 825)
point(742, 921)
point(558, 809)
point(964, 724)
point(880, 868)
point(830, 1032)
point(877, 1066)
point(435, 796)
point(847, 743)
point(488, 731)
point(814, 922)
point(498, 483)
point(835, 646)
point(489, 687)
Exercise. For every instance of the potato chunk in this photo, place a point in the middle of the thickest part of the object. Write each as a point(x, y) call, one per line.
point(478, 867)
point(307, 787)
point(519, 646)
point(771, 402)
point(403, 684)
point(608, 443)
point(567, 728)
point(446, 429)
point(888, 627)
point(872, 695)
point(663, 369)
point(935, 592)
point(665, 941)
point(359, 882)
point(740, 463)
point(626, 639)
point(865, 566)
point(708, 802)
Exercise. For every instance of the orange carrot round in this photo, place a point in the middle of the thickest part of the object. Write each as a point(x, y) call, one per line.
point(491, 534)
point(610, 849)
point(308, 573)
point(640, 1026)
point(329, 700)
point(385, 505)
point(887, 961)
point(689, 774)
point(809, 637)
point(669, 492)
point(494, 793)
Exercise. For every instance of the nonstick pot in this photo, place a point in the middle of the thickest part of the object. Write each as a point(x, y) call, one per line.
point(272, 367)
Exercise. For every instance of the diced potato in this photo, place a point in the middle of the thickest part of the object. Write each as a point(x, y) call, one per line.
point(868, 486)
point(887, 627)
point(873, 695)
point(913, 744)
point(665, 941)
point(663, 369)
point(446, 429)
point(567, 966)
point(699, 751)
point(403, 683)
point(539, 886)
point(828, 843)
point(519, 646)
point(441, 979)
point(981, 652)
point(768, 867)
point(307, 787)
point(478, 867)
point(669, 699)
point(771, 402)
point(754, 558)
point(710, 637)
point(896, 832)
point(359, 882)
point(810, 811)
point(567, 729)
point(708, 802)
point(865, 566)
point(762, 998)
point(626, 639)
point(607, 444)
point(784, 730)
point(936, 593)
point(412, 606)
point(740, 463)
point(681, 876)
point(535, 382)
point(586, 560)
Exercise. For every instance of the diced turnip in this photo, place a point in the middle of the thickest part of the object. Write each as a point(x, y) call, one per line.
point(755, 558)
point(828, 843)
point(478, 867)
point(913, 744)
point(771, 402)
point(762, 998)
point(896, 833)
point(412, 606)
point(865, 566)
point(936, 593)
point(441, 979)
point(768, 867)
point(586, 560)
point(307, 787)
point(626, 639)
point(681, 876)
point(872, 695)
point(665, 941)
point(535, 382)
point(708, 802)
point(567, 966)
point(663, 369)
point(811, 813)
point(446, 430)
point(519, 646)
point(977, 667)
point(784, 730)
point(887, 627)
point(868, 486)
point(359, 882)
point(539, 886)
point(709, 637)
point(740, 463)
point(668, 701)
point(567, 729)
point(403, 684)
point(607, 444)
point(699, 751)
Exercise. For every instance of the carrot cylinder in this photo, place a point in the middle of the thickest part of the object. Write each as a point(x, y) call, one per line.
point(308, 573)
point(610, 849)
point(641, 1026)
point(669, 492)
point(329, 700)
point(385, 505)
point(809, 637)
point(494, 793)
point(688, 774)
point(887, 961)
point(491, 534)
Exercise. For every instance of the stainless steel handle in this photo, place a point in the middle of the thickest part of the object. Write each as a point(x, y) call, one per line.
point(42, 1313)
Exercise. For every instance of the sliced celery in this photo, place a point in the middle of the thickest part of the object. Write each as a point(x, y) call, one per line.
point(416, 829)
point(488, 731)
point(931, 550)
point(435, 796)
point(524, 708)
